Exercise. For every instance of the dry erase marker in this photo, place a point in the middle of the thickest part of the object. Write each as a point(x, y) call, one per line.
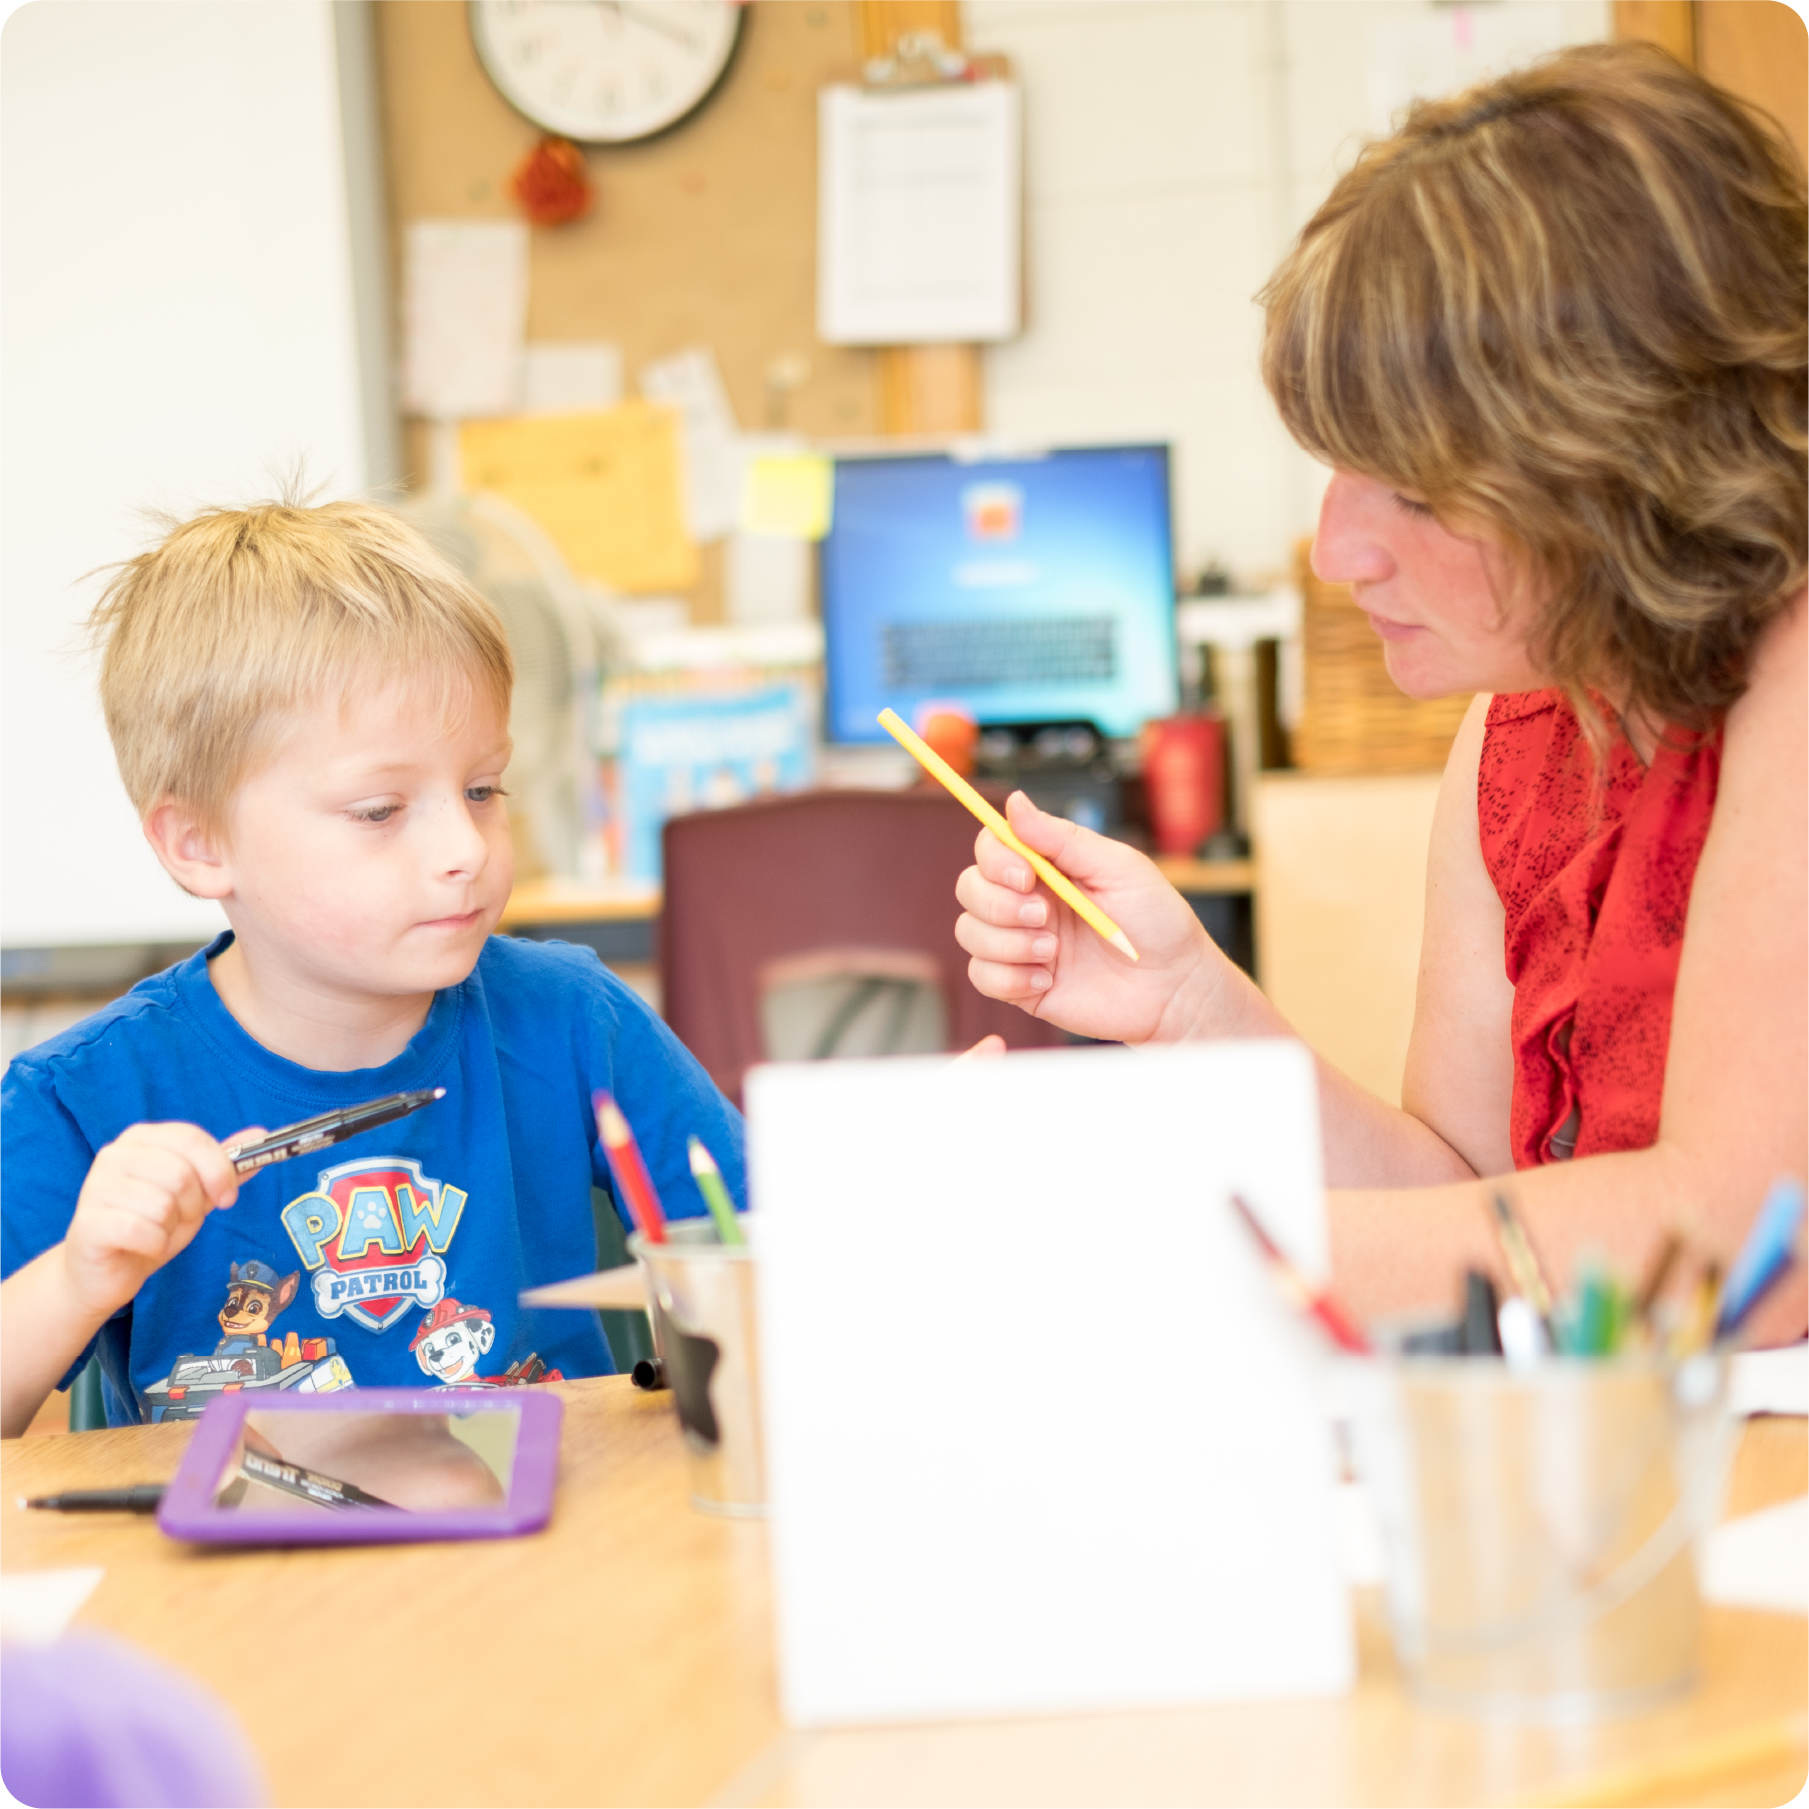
point(141, 1498)
point(631, 1176)
point(1052, 876)
point(310, 1134)
point(709, 1183)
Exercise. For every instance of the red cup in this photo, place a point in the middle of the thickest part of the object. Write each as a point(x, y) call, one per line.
point(1184, 780)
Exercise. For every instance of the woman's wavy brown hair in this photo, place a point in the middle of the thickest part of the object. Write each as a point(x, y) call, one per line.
point(1567, 308)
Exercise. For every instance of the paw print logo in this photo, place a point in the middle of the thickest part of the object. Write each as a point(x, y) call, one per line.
point(373, 1218)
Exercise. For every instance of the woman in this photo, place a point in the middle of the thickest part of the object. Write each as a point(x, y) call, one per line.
point(1550, 339)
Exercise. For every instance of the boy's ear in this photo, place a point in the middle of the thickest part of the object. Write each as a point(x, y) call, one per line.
point(192, 856)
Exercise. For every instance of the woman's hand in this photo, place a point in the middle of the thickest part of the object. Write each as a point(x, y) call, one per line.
point(142, 1203)
point(1032, 951)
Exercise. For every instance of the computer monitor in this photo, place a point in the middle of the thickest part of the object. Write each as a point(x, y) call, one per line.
point(1022, 589)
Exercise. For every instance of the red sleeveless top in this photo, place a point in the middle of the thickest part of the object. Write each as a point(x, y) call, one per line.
point(1593, 860)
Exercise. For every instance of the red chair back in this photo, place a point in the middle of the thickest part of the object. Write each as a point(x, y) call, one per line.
point(815, 873)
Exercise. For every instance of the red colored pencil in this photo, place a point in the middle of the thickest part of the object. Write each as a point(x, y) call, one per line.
point(630, 1172)
point(1344, 1331)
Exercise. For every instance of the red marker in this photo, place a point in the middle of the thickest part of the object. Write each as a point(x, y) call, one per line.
point(630, 1172)
point(1345, 1333)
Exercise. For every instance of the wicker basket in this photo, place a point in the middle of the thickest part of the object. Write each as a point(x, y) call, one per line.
point(1353, 719)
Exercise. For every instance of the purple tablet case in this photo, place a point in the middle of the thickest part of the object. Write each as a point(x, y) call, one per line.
point(188, 1510)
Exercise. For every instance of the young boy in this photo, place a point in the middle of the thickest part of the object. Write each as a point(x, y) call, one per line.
point(310, 712)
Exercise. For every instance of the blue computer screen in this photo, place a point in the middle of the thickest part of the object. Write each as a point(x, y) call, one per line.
point(1030, 589)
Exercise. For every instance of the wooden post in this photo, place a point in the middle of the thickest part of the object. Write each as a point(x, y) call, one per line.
point(923, 389)
point(1670, 24)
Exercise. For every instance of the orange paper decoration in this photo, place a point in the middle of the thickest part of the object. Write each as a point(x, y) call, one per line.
point(552, 184)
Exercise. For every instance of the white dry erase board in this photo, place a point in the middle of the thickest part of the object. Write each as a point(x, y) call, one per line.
point(1042, 1435)
point(193, 309)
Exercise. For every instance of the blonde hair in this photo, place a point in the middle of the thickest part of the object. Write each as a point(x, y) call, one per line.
point(214, 638)
point(1567, 309)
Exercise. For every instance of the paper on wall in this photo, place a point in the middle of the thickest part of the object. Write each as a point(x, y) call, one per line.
point(464, 312)
point(919, 209)
point(788, 493)
point(766, 578)
point(1433, 53)
point(606, 486)
point(690, 382)
point(576, 376)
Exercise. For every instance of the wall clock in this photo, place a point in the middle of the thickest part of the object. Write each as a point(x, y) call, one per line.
point(606, 71)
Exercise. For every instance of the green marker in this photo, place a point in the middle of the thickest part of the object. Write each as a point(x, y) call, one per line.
point(709, 1183)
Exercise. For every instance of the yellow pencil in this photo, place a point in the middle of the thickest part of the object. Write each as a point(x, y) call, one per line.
point(1712, 1761)
point(1058, 882)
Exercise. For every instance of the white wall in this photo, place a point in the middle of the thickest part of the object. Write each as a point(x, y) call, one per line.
point(176, 328)
point(1173, 149)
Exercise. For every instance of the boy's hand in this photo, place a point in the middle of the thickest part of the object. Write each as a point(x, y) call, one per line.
point(142, 1203)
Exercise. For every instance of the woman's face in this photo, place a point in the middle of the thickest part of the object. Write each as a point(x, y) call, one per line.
point(1450, 612)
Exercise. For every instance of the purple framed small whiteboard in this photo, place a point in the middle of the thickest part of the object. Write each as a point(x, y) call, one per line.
point(368, 1466)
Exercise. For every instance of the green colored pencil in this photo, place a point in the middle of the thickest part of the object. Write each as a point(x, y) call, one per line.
point(709, 1183)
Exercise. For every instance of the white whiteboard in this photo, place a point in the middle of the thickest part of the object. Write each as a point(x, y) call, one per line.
point(179, 329)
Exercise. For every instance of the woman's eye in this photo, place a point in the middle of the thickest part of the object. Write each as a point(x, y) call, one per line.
point(1412, 505)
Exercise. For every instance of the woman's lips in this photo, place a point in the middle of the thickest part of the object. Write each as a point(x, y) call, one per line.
point(1391, 631)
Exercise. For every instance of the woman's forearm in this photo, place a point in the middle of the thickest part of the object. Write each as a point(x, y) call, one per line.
point(1367, 1142)
point(1404, 1251)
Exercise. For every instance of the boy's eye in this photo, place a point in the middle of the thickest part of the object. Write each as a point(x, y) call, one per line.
point(1412, 505)
point(482, 794)
point(376, 813)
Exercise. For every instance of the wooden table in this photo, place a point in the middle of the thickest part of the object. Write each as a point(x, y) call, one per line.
point(625, 1656)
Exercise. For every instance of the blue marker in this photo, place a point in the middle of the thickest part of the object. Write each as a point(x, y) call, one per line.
point(1766, 1254)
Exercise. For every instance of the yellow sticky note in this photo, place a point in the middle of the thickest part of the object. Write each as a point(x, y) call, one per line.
point(607, 486)
point(787, 493)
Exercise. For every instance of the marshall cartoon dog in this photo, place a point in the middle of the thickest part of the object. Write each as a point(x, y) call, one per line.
point(451, 1340)
point(255, 1294)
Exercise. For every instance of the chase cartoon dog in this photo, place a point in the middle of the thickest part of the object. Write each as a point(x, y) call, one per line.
point(255, 1294)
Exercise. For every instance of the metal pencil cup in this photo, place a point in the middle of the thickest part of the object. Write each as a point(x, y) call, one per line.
point(1540, 1526)
point(706, 1329)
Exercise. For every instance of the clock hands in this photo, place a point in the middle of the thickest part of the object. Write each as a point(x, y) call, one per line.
point(650, 20)
point(646, 16)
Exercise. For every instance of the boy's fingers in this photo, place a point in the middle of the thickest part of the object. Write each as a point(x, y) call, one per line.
point(986, 1049)
point(130, 1234)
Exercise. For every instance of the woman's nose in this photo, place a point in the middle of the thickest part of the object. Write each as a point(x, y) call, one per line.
point(1348, 547)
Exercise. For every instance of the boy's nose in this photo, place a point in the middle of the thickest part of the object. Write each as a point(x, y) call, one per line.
point(459, 847)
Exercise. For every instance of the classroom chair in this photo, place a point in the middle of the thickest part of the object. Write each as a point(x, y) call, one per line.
point(823, 924)
point(87, 1411)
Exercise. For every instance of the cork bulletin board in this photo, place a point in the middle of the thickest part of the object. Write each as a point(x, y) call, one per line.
point(705, 236)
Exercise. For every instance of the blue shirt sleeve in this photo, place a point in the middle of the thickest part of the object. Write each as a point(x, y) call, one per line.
point(47, 1159)
point(667, 1098)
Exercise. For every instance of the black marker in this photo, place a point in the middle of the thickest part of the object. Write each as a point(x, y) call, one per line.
point(330, 1128)
point(143, 1498)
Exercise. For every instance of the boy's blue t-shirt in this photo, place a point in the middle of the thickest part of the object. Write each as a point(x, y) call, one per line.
point(418, 1233)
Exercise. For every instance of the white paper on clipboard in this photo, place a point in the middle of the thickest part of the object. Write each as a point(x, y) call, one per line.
point(919, 215)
